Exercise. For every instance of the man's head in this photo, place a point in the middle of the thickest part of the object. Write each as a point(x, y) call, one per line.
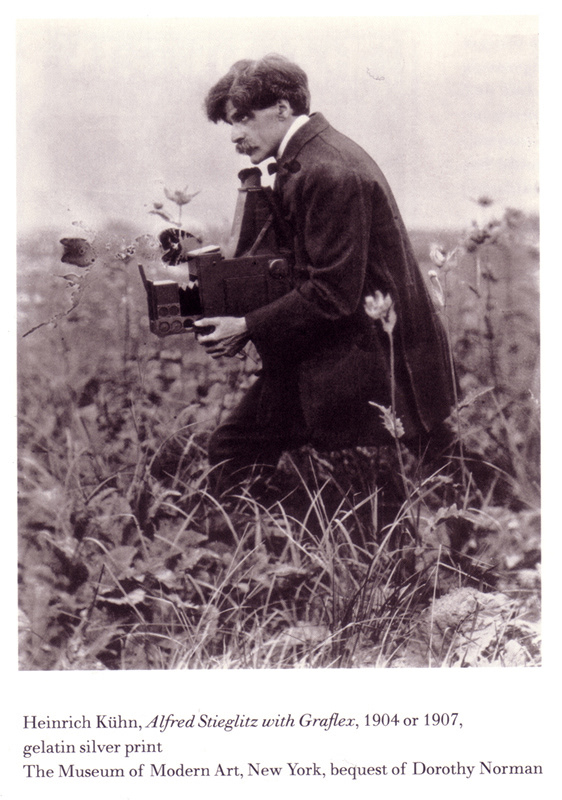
point(260, 100)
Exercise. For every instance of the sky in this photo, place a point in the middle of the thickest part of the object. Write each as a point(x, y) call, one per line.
point(109, 111)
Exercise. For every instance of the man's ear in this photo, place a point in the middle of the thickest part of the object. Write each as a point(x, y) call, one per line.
point(284, 110)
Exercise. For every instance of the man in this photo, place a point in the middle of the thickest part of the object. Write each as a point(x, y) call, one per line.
point(323, 357)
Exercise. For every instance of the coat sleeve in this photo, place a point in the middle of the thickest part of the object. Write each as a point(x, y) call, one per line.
point(331, 213)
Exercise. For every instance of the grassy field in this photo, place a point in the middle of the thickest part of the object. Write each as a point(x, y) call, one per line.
point(126, 560)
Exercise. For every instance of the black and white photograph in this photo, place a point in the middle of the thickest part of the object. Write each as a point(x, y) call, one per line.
point(282, 369)
point(278, 343)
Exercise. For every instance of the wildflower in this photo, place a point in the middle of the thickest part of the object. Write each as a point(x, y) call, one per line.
point(438, 292)
point(381, 306)
point(475, 238)
point(125, 253)
point(438, 254)
point(78, 252)
point(180, 198)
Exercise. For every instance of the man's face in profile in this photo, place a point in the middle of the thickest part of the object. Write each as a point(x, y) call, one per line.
point(259, 133)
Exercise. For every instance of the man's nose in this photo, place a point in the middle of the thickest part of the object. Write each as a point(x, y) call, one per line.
point(236, 135)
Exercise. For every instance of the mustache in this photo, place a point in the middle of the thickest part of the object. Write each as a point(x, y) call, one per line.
point(244, 149)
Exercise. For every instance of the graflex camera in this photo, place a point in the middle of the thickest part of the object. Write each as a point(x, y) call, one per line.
point(258, 272)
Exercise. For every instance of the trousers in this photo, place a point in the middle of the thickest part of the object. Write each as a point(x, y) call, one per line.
point(269, 421)
point(252, 439)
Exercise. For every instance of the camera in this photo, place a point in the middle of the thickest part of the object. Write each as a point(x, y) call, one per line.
point(217, 287)
point(171, 308)
point(259, 271)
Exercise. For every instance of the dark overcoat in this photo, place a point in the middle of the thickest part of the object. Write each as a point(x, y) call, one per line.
point(340, 219)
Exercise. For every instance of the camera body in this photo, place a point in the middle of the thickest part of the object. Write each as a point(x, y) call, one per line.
point(217, 287)
point(257, 270)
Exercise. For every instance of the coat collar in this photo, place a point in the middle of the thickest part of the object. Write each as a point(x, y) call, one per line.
point(315, 125)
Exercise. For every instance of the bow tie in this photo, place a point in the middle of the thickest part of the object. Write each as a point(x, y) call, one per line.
point(291, 166)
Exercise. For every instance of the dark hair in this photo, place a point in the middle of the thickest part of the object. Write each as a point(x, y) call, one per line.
point(252, 85)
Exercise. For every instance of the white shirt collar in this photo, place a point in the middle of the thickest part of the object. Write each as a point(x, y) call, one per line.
point(298, 123)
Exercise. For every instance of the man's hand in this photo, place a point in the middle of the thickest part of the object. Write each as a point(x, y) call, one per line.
point(229, 336)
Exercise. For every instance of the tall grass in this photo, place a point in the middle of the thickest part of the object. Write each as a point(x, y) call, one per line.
point(127, 560)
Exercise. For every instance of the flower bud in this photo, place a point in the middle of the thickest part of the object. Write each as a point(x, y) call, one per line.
point(438, 255)
point(438, 292)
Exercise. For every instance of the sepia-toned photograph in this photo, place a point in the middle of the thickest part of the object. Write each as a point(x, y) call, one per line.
point(278, 343)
